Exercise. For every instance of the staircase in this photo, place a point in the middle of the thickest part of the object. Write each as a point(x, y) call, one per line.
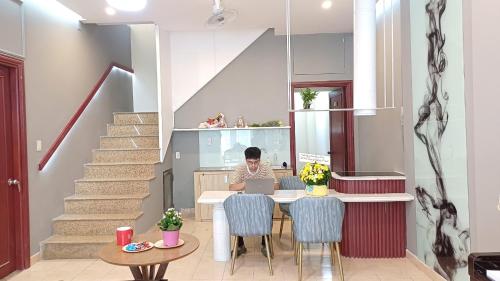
point(112, 191)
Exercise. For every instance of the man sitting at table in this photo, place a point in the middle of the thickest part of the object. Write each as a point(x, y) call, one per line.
point(252, 169)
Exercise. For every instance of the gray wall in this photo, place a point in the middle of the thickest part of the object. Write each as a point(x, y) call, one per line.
point(63, 62)
point(11, 37)
point(187, 144)
point(143, 49)
point(481, 44)
point(411, 219)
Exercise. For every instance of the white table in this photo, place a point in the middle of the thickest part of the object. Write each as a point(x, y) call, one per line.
point(222, 248)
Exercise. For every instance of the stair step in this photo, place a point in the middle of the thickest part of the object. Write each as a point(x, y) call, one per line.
point(111, 186)
point(132, 130)
point(129, 142)
point(123, 118)
point(73, 247)
point(119, 170)
point(103, 204)
point(126, 155)
point(92, 224)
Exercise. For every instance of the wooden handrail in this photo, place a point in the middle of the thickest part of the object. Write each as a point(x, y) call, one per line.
point(79, 112)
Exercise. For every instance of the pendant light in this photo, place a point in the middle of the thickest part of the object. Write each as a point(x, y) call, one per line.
point(365, 95)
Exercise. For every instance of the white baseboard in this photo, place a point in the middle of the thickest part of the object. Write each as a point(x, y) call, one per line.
point(423, 267)
point(35, 258)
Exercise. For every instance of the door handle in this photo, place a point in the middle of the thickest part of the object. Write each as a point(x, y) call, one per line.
point(12, 182)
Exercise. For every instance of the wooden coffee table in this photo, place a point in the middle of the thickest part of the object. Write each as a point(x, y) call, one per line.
point(144, 264)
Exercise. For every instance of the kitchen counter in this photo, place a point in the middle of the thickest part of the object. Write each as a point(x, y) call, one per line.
point(355, 175)
point(372, 230)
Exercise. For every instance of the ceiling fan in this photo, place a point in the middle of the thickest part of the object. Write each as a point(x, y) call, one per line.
point(220, 16)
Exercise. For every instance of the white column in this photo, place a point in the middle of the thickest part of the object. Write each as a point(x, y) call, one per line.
point(365, 95)
point(222, 241)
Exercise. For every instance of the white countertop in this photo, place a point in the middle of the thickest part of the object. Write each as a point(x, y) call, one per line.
point(369, 177)
point(288, 196)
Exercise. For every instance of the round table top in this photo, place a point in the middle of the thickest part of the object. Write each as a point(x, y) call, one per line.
point(113, 253)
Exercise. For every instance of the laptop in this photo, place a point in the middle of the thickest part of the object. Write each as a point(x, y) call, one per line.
point(259, 186)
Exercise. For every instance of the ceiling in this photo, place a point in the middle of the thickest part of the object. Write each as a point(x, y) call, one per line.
point(190, 15)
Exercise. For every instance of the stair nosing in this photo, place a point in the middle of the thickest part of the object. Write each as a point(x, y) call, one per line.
point(125, 149)
point(131, 136)
point(113, 179)
point(142, 112)
point(53, 239)
point(98, 217)
point(149, 124)
point(76, 197)
point(121, 163)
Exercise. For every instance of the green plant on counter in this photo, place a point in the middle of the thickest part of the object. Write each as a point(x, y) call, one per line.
point(172, 220)
point(308, 96)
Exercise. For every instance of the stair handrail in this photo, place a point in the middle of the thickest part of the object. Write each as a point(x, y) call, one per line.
point(79, 112)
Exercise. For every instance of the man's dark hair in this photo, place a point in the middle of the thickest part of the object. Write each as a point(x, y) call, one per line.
point(252, 153)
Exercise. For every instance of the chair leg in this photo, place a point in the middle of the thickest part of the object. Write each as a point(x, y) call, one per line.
point(271, 245)
point(300, 246)
point(341, 271)
point(293, 237)
point(268, 255)
point(332, 252)
point(281, 224)
point(235, 249)
point(296, 252)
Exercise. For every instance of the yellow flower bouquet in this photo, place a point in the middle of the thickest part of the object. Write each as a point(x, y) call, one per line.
point(316, 177)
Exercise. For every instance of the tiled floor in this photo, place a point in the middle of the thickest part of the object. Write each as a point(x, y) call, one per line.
point(251, 266)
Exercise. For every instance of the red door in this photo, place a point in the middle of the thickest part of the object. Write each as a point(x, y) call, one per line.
point(7, 228)
point(338, 137)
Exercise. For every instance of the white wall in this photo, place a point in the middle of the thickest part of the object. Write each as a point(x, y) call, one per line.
point(144, 63)
point(165, 110)
point(481, 57)
point(197, 57)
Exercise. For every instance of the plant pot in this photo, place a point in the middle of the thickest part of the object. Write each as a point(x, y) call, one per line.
point(307, 106)
point(170, 238)
point(317, 190)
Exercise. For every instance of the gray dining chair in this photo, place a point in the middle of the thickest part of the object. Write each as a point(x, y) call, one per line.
point(288, 183)
point(318, 220)
point(250, 215)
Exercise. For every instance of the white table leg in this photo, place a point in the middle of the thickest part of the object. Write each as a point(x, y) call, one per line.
point(222, 241)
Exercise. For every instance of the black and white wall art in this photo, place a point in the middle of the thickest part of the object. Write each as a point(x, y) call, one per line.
point(439, 136)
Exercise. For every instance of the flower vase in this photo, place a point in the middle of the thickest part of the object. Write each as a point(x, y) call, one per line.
point(170, 238)
point(317, 190)
point(307, 106)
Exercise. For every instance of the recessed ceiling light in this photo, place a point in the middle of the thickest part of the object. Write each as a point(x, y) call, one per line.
point(127, 5)
point(110, 11)
point(327, 4)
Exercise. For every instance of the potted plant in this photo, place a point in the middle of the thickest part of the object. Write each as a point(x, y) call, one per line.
point(170, 225)
point(308, 96)
point(316, 177)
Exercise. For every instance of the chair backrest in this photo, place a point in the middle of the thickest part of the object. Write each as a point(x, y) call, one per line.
point(249, 214)
point(317, 220)
point(291, 183)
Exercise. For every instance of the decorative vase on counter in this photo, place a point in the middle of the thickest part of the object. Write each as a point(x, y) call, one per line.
point(307, 105)
point(317, 190)
point(170, 238)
